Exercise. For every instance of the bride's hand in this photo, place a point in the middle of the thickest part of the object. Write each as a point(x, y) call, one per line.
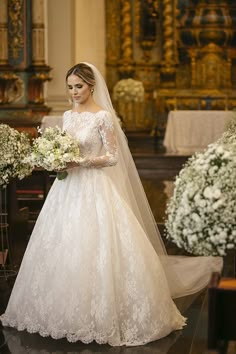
point(68, 166)
point(71, 165)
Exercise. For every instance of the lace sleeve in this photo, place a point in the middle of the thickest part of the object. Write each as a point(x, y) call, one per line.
point(110, 158)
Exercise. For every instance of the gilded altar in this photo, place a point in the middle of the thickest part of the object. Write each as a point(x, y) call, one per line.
point(183, 51)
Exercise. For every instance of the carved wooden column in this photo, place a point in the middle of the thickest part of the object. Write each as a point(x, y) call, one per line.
point(126, 62)
point(169, 61)
point(113, 36)
point(193, 68)
point(40, 71)
point(5, 77)
point(38, 35)
point(3, 33)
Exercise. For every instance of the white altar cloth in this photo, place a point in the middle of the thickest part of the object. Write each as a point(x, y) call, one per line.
point(191, 131)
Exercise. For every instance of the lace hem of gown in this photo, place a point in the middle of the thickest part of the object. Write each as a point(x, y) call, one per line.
point(87, 335)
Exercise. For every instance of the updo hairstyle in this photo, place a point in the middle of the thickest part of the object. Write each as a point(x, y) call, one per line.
point(84, 72)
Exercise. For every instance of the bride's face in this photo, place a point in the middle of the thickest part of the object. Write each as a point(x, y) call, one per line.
point(78, 89)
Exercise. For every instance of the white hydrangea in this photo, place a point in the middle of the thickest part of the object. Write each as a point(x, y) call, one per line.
point(128, 90)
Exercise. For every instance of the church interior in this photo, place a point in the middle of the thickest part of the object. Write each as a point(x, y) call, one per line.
point(183, 54)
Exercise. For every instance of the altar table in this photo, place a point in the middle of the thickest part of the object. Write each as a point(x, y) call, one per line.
point(191, 131)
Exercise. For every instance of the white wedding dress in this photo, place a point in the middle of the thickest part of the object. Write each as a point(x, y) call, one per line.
point(89, 271)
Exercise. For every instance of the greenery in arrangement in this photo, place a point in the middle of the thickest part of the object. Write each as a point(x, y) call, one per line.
point(201, 215)
point(53, 149)
point(128, 90)
point(14, 147)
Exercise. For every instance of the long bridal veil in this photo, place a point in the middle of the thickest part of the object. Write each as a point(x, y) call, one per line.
point(185, 275)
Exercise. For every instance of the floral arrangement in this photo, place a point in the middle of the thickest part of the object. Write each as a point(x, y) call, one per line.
point(128, 90)
point(53, 149)
point(14, 147)
point(201, 215)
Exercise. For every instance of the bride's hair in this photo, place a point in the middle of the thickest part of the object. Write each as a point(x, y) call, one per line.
point(84, 72)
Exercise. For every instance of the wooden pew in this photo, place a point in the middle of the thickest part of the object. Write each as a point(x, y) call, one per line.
point(221, 313)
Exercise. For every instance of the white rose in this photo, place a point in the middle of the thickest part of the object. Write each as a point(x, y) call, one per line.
point(219, 150)
point(230, 246)
point(207, 193)
point(195, 217)
point(217, 204)
point(222, 236)
point(217, 193)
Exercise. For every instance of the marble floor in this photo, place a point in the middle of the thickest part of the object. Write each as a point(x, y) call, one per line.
point(191, 340)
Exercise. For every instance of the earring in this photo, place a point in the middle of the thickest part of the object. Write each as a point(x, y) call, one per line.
point(92, 91)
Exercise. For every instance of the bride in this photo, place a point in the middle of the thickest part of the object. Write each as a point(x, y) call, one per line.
point(95, 267)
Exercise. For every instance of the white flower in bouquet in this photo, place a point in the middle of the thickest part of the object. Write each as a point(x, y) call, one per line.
point(201, 215)
point(14, 147)
point(53, 149)
point(128, 90)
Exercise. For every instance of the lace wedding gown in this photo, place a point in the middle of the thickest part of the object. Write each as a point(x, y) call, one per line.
point(89, 271)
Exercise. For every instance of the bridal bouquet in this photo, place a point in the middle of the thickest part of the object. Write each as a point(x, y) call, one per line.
point(14, 147)
point(53, 149)
point(201, 215)
point(129, 90)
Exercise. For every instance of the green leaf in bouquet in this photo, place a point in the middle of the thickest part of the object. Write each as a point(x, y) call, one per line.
point(62, 175)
